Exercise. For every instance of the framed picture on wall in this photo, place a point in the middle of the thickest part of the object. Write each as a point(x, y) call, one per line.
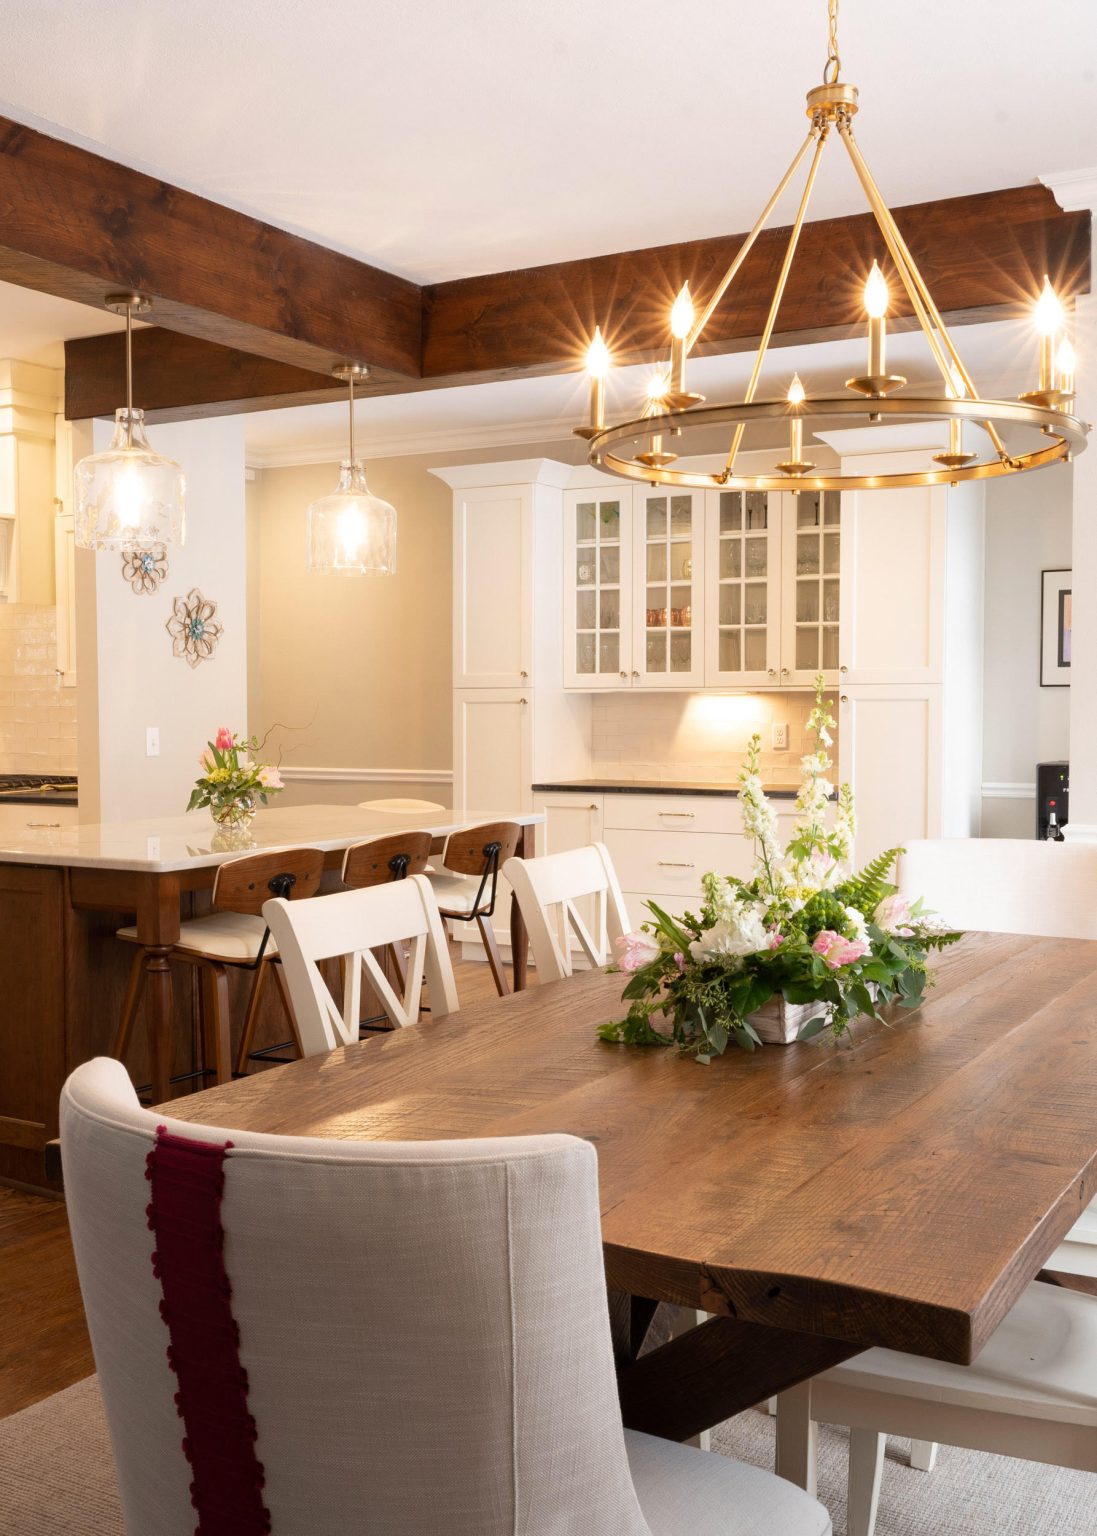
point(1055, 629)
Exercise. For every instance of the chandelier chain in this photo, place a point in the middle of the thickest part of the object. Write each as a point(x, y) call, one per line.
point(833, 71)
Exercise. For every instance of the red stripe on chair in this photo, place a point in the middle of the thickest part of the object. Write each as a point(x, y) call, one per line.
point(188, 1182)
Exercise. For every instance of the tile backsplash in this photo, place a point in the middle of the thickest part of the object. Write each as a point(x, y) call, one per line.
point(697, 736)
point(37, 715)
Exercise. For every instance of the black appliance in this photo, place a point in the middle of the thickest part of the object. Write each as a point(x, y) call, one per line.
point(1052, 800)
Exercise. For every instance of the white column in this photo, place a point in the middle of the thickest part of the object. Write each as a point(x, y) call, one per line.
point(1073, 191)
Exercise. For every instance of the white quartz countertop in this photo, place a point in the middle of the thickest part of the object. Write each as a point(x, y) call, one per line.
point(163, 845)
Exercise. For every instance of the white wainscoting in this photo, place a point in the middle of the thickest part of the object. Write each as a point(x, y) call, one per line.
point(1009, 809)
point(320, 785)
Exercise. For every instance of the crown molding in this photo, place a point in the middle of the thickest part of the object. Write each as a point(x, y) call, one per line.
point(331, 450)
point(1074, 191)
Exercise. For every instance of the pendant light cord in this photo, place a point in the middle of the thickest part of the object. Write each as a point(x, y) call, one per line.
point(129, 376)
point(350, 408)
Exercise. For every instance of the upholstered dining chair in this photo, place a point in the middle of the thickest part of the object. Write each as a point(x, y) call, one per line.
point(254, 1300)
point(547, 890)
point(350, 926)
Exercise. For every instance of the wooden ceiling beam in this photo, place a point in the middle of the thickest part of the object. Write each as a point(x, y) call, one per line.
point(983, 256)
point(77, 225)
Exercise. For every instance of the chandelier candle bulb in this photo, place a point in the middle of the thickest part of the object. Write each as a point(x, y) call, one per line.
point(1049, 317)
point(597, 368)
point(876, 303)
point(796, 425)
point(681, 323)
point(1064, 364)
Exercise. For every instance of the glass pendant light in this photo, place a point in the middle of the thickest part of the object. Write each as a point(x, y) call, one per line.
point(128, 496)
point(352, 532)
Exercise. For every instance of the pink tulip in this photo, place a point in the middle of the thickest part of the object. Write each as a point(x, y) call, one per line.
point(836, 950)
point(224, 741)
point(635, 950)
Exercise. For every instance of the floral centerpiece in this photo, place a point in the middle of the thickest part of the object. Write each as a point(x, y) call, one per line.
point(804, 938)
point(233, 782)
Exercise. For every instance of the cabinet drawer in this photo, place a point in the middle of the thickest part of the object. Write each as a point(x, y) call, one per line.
point(673, 813)
point(672, 863)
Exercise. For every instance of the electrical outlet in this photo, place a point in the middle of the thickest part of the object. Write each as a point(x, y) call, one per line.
point(780, 737)
point(152, 741)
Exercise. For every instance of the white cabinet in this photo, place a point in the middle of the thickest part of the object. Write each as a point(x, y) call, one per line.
point(598, 545)
point(492, 750)
point(571, 821)
point(743, 588)
point(812, 533)
point(891, 753)
point(893, 585)
point(668, 608)
point(492, 587)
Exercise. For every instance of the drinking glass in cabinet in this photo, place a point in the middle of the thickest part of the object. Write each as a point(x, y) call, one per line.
point(680, 604)
point(681, 515)
point(657, 562)
point(657, 651)
point(609, 565)
point(731, 511)
point(756, 557)
point(609, 608)
point(830, 554)
point(807, 602)
point(584, 610)
point(586, 524)
point(731, 605)
point(755, 603)
point(754, 650)
point(584, 567)
point(807, 554)
point(831, 609)
point(584, 653)
point(657, 518)
point(731, 558)
point(609, 653)
point(830, 647)
point(681, 647)
point(681, 566)
point(729, 651)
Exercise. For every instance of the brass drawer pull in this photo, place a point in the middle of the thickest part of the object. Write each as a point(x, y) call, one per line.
point(674, 864)
point(687, 815)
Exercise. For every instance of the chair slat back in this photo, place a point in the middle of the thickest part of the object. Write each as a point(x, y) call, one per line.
point(243, 885)
point(547, 890)
point(383, 859)
point(1005, 884)
point(350, 925)
point(467, 851)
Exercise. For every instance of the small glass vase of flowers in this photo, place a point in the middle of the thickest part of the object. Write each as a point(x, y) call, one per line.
point(804, 945)
point(233, 783)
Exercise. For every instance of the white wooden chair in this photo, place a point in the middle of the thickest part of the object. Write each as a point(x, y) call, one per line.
point(350, 925)
point(547, 890)
point(1032, 1392)
point(449, 1294)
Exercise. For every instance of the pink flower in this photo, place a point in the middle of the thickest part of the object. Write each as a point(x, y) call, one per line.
point(680, 962)
point(205, 761)
point(776, 938)
point(270, 778)
point(893, 916)
point(635, 950)
point(224, 741)
point(837, 951)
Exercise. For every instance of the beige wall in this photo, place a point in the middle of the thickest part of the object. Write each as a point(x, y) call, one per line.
point(358, 673)
point(1028, 529)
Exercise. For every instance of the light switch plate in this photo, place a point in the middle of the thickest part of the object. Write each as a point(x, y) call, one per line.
point(152, 741)
point(780, 737)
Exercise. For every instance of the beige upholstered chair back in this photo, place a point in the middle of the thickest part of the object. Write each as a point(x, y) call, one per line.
point(350, 925)
point(1006, 885)
point(418, 1331)
point(547, 891)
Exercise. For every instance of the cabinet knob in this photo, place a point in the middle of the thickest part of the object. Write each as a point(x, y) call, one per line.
point(526, 674)
point(771, 672)
point(784, 671)
point(843, 670)
point(593, 806)
point(636, 674)
point(624, 675)
point(845, 698)
point(523, 701)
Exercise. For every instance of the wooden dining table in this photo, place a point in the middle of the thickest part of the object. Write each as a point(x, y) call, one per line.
point(899, 1188)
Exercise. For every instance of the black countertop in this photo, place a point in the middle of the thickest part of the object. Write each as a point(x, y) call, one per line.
point(655, 787)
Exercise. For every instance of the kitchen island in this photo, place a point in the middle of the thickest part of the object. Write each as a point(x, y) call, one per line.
point(64, 891)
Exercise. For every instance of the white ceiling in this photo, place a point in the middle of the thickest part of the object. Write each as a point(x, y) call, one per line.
point(35, 326)
point(440, 139)
point(1001, 357)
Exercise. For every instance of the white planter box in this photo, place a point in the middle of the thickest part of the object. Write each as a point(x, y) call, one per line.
point(779, 1023)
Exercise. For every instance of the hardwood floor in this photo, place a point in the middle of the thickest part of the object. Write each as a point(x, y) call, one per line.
point(44, 1343)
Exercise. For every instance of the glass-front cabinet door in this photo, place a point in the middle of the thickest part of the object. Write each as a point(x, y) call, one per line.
point(668, 645)
point(598, 601)
point(743, 587)
point(811, 594)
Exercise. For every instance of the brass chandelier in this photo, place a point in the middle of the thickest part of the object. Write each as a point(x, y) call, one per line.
point(671, 407)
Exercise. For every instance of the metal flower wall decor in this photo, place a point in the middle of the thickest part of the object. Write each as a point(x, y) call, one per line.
point(144, 569)
point(194, 633)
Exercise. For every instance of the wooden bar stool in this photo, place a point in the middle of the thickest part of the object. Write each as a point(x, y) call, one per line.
point(234, 935)
point(378, 862)
point(467, 883)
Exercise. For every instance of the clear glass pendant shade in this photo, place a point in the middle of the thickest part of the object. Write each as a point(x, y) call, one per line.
point(352, 532)
point(129, 496)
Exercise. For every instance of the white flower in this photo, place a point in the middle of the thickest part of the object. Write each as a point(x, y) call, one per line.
point(856, 921)
point(741, 932)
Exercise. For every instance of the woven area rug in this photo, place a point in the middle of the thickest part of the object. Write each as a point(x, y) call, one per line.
point(57, 1479)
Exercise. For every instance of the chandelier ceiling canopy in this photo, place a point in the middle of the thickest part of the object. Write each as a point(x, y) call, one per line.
point(1043, 417)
